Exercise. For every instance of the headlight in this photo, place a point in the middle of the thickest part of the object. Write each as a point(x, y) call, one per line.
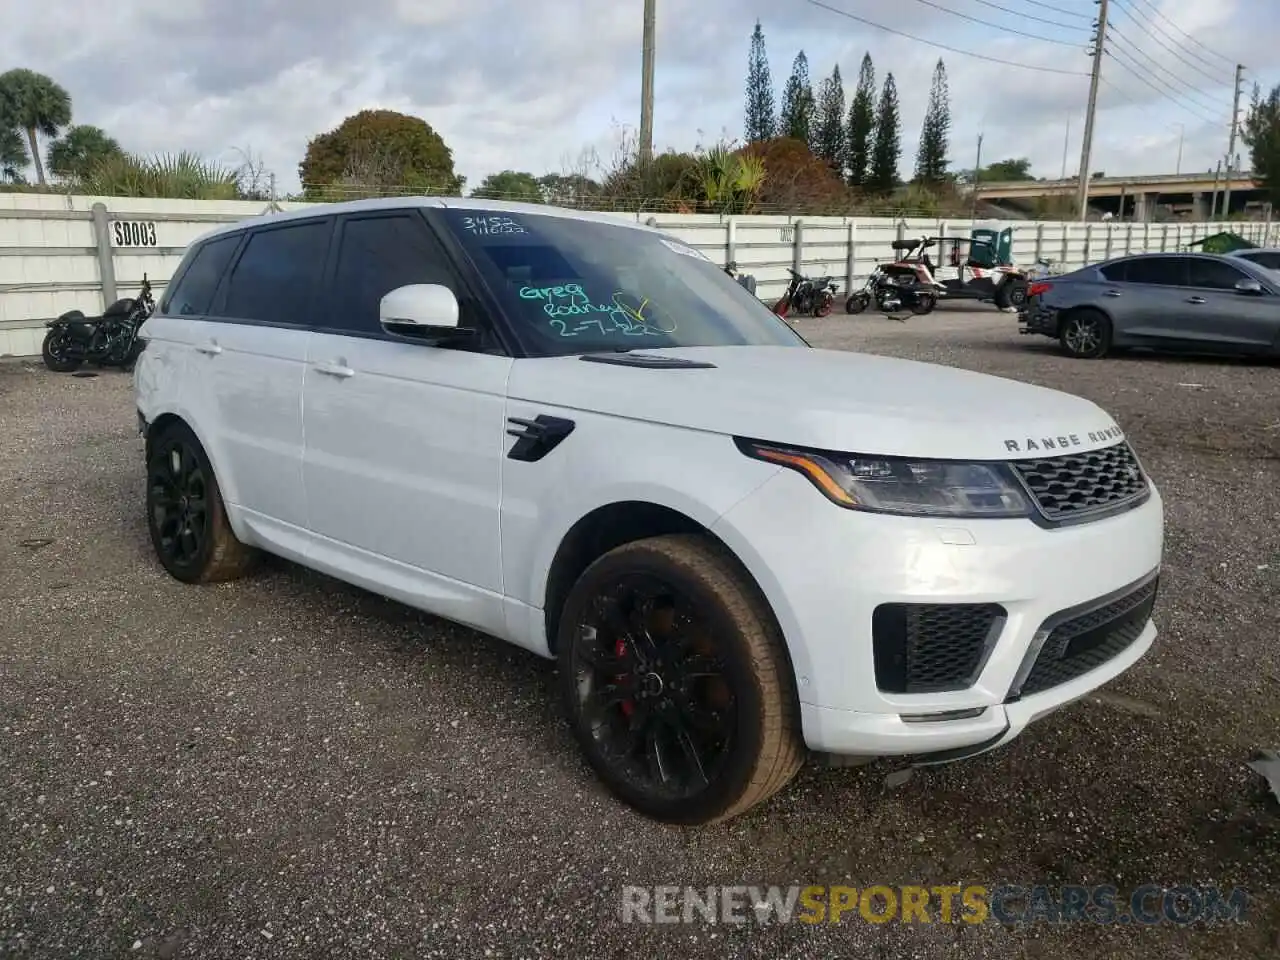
point(917, 488)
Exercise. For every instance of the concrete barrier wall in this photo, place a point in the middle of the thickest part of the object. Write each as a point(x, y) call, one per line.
point(60, 253)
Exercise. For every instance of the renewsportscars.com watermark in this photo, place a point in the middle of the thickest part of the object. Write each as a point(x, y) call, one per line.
point(1145, 905)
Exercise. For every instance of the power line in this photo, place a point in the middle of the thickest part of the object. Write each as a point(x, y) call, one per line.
point(1177, 29)
point(1171, 49)
point(995, 26)
point(1031, 16)
point(943, 46)
point(1065, 13)
point(1132, 50)
point(1137, 72)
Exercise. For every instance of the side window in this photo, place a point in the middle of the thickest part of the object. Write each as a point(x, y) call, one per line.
point(1164, 271)
point(1269, 260)
point(278, 273)
point(194, 290)
point(376, 255)
point(1114, 271)
point(1214, 274)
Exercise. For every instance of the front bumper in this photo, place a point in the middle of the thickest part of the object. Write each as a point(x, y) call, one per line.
point(825, 570)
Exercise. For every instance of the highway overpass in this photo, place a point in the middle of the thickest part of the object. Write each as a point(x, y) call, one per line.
point(1136, 198)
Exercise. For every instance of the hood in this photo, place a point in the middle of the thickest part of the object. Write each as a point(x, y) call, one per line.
point(828, 399)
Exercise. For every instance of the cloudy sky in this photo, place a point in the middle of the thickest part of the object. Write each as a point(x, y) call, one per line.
point(531, 86)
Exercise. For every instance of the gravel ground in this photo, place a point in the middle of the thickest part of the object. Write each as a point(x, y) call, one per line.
point(286, 766)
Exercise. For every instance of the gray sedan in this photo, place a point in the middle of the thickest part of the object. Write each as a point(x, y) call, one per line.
point(1169, 301)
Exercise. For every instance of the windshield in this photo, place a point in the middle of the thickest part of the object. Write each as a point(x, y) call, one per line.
point(580, 286)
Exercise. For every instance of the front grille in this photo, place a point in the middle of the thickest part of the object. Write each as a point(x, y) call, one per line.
point(1083, 643)
point(932, 647)
point(1077, 484)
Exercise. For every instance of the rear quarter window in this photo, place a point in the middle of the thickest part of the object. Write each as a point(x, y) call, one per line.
point(193, 293)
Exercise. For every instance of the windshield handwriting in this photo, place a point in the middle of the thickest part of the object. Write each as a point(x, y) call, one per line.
point(572, 312)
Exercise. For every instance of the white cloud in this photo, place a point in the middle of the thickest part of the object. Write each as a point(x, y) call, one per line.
point(513, 84)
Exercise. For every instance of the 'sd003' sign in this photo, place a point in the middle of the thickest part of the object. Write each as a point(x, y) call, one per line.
point(133, 233)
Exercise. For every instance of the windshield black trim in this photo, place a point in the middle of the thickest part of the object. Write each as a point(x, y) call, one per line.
point(648, 361)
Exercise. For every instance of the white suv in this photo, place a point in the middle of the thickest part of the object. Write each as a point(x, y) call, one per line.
point(581, 436)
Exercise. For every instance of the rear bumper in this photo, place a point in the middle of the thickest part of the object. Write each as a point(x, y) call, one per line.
point(1038, 318)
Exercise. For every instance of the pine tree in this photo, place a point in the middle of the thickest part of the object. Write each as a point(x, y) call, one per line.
point(797, 102)
point(888, 141)
point(761, 121)
point(830, 133)
point(862, 124)
point(931, 155)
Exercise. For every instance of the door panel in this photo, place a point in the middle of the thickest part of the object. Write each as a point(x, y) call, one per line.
point(403, 453)
point(1215, 314)
point(1143, 297)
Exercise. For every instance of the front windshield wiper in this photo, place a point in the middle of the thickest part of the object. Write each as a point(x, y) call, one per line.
point(623, 356)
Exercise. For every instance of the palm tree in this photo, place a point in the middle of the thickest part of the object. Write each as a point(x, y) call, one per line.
point(75, 154)
point(33, 103)
point(13, 155)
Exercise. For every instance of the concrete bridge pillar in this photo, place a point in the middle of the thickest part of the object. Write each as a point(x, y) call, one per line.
point(1143, 207)
point(1199, 207)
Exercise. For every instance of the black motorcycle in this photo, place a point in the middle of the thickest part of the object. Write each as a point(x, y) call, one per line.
point(110, 340)
point(904, 284)
point(806, 296)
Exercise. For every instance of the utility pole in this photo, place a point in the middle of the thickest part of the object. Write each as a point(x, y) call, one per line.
point(1086, 147)
point(646, 81)
point(1182, 133)
point(977, 175)
point(1066, 145)
point(1231, 141)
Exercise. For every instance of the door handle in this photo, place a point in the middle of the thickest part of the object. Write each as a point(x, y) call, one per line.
point(210, 348)
point(1112, 293)
point(338, 369)
point(1196, 300)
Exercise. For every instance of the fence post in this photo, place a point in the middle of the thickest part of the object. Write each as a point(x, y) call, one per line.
point(1146, 236)
point(797, 247)
point(1088, 241)
point(1110, 231)
point(731, 242)
point(1039, 240)
point(1066, 244)
point(1266, 229)
point(102, 242)
point(852, 260)
point(1164, 239)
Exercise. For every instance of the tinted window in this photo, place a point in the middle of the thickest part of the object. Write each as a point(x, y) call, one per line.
point(1216, 274)
point(194, 290)
point(278, 273)
point(376, 255)
point(578, 286)
point(1114, 271)
point(1269, 260)
point(1166, 271)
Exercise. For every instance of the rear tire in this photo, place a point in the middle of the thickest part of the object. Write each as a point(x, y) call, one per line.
point(54, 352)
point(925, 303)
point(676, 681)
point(186, 516)
point(857, 303)
point(1011, 293)
point(1085, 334)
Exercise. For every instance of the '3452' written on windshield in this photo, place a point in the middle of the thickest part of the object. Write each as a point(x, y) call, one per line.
point(491, 225)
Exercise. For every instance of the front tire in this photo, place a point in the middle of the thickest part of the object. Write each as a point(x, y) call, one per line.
point(54, 352)
point(676, 681)
point(1085, 334)
point(186, 516)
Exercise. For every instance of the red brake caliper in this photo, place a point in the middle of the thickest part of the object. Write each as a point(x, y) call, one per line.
point(620, 649)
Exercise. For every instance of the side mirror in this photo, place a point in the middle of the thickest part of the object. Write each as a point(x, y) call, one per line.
point(421, 311)
point(1248, 286)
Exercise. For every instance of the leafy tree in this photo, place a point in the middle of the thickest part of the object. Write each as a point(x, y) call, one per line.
point(510, 185)
point(862, 123)
point(1001, 170)
point(1262, 136)
point(34, 104)
point(13, 156)
point(797, 103)
point(568, 190)
point(796, 180)
point(761, 121)
point(931, 155)
point(375, 152)
point(830, 134)
point(73, 155)
point(887, 148)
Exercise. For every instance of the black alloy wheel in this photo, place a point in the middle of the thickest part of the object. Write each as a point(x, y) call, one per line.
point(178, 504)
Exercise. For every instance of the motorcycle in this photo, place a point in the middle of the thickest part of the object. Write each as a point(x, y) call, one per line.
point(904, 284)
point(110, 340)
point(806, 296)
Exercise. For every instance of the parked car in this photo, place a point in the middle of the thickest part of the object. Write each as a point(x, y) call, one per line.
point(1268, 257)
point(579, 435)
point(1199, 302)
